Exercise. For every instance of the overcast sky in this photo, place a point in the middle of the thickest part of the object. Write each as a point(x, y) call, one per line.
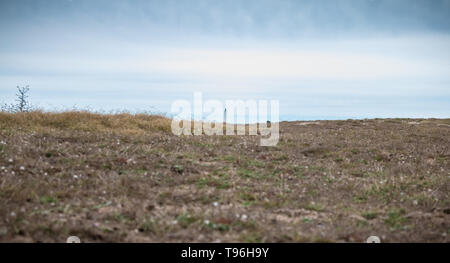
point(323, 59)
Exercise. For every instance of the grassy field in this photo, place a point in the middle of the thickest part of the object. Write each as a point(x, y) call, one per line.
point(126, 178)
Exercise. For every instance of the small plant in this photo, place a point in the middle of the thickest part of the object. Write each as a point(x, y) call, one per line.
point(47, 199)
point(186, 219)
point(370, 215)
point(178, 168)
point(395, 219)
point(222, 227)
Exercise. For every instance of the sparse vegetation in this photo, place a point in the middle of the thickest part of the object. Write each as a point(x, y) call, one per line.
point(22, 104)
point(124, 177)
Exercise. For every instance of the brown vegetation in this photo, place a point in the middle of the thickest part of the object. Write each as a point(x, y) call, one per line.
point(126, 178)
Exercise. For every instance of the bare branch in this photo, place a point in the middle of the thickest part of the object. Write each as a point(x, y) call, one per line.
point(22, 99)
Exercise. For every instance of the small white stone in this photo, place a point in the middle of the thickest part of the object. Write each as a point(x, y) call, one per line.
point(2, 168)
point(45, 174)
point(174, 222)
point(13, 214)
point(75, 176)
point(206, 222)
point(10, 160)
point(22, 168)
point(216, 204)
point(13, 173)
point(244, 217)
point(415, 202)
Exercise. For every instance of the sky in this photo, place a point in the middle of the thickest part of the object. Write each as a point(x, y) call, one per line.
point(322, 59)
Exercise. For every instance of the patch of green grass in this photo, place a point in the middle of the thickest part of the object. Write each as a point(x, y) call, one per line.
point(313, 192)
point(361, 197)
point(204, 181)
point(219, 183)
point(218, 226)
point(163, 196)
point(229, 158)
point(107, 166)
point(382, 193)
point(300, 175)
point(148, 226)
point(246, 173)
point(48, 199)
point(395, 219)
point(141, 170)
point(317, 168)
point(185, 219)
point(314, 207)
point(256, 163)
point(306, 220)
point(178, 168)
point(327, 179)
point(363, 161)
point(362, 223)
point(369, 215)
point(249, 173)
point(247, 198)
point(354, 151)
point(122, 218)
point(281, 157)
point(251, 237)
point(108, 203)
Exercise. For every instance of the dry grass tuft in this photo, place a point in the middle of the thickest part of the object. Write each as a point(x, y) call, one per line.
point(123, 123)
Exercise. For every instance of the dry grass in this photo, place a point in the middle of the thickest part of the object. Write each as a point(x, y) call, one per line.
point(127, 178)
point(125, 124)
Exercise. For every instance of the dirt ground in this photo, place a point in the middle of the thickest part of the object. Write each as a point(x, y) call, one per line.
point(126, 178)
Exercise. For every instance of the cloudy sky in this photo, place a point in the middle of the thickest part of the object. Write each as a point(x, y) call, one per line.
point(323, 59)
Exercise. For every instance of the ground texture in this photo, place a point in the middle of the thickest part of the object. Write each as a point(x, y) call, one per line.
point(126, 178)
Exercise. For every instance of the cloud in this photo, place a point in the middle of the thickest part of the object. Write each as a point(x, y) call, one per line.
point(355, 59)
point(298, 51)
